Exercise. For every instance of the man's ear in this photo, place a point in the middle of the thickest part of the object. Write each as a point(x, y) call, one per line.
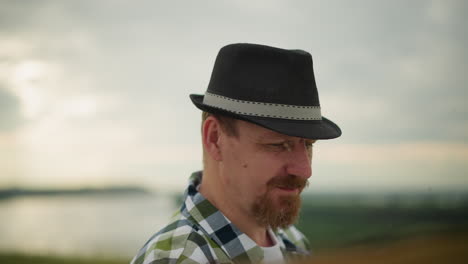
point(211, 132)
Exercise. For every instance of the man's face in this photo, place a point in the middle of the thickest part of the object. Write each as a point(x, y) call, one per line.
point(265, 172)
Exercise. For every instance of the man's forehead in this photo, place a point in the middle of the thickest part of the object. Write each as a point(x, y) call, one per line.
point(260, 133)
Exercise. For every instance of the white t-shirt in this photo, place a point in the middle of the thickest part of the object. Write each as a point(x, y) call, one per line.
point(272, 254)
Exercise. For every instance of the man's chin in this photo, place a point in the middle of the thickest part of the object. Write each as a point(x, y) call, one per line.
point(277, 211)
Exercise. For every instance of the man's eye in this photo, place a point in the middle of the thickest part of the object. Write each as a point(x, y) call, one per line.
point(279, 146)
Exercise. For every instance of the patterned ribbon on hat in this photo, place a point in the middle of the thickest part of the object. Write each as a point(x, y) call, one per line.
point(251, 108)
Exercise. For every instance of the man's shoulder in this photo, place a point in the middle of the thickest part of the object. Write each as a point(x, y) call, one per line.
point(178, 241)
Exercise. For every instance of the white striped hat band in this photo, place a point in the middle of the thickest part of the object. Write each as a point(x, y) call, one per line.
point(251, 108)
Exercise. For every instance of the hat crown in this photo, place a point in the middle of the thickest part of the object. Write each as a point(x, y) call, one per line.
point(252, 72)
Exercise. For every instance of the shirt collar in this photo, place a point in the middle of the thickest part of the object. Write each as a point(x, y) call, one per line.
point(219, 228)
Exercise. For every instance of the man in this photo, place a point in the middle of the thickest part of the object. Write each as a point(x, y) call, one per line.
point(261, 117)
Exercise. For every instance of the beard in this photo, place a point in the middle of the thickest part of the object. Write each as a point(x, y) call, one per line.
point(282, 211)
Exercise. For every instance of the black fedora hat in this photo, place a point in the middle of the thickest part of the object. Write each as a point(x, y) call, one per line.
point(271, 87)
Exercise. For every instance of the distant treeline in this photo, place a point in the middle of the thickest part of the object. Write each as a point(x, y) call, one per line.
point(389, 199)
point(14, 192)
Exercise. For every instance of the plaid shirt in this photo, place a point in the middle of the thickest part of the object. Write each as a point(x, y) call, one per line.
point(200, 233)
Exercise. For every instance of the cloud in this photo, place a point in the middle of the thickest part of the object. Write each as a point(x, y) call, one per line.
point(115, 75)
point(398, 79)
point(365, 154)
point(10, 112)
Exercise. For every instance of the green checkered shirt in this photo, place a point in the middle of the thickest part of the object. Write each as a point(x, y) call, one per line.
point(200, 233)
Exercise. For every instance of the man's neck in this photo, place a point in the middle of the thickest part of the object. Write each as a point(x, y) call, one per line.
point(212, 189)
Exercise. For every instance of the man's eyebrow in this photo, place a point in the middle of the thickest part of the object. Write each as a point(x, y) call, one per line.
point(271, 136)
point(276, 137)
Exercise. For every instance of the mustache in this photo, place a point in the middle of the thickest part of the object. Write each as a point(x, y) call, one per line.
point(289, 181)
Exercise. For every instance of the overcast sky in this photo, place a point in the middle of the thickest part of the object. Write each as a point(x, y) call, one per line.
point(96, 92)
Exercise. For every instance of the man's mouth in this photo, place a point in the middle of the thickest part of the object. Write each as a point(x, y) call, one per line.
point(287, 185)
point(288, 189)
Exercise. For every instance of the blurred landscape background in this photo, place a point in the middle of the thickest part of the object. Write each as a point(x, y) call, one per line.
point(98, 135)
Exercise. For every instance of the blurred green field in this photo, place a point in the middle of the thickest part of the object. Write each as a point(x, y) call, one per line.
point(436, 248)
point(13, 258)
point(350, 220)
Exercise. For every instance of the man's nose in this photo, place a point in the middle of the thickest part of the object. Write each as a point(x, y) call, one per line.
point(299, 163)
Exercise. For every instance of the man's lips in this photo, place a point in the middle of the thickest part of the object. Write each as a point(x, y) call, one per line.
point(288, 189)
point(287, 185)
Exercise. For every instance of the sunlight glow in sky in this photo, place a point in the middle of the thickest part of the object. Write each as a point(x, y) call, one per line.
point(96, 93)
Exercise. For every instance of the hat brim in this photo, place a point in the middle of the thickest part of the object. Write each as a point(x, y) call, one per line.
point(311, 129)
